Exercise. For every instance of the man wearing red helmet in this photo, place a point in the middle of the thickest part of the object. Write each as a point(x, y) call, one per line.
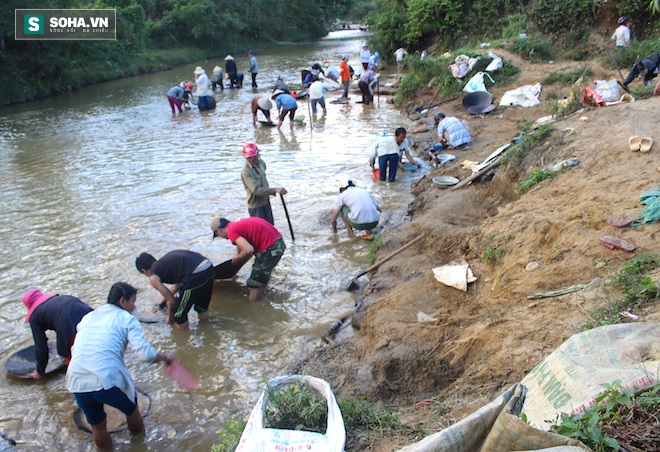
point(256, 186)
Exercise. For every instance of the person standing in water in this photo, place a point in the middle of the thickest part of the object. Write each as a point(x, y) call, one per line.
point(97, 374)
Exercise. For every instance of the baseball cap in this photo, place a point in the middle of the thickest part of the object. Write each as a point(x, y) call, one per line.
point(218, 223)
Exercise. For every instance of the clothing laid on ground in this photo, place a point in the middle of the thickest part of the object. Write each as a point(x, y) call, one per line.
point(97, 361)
point(61, 314)
point(268, 246)
point(194, 273)
point(363, 209)
point(621, 36)
point(456, 131)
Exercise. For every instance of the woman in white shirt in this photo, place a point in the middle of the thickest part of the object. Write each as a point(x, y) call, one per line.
point(622, 33)
point(97, 374)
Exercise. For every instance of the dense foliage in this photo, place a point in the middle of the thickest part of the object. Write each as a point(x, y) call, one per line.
point(419, 24)
point(151, 35)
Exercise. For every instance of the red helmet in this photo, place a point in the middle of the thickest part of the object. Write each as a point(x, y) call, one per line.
point(250, 149)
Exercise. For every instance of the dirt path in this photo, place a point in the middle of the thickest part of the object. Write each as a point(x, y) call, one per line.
point(489, 337)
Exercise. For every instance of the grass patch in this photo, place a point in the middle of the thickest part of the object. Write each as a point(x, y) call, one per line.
point(566, 76)
point(531, 139)
point(627, 57)
point(618, 420)
point(230, 437)
point(429, 72)
point(638, 290)
point(641, 91)
point(360, 416)
point(374, 246)
point(296, 407)
point(535, 177)
point(494, 245)
point(533, 48)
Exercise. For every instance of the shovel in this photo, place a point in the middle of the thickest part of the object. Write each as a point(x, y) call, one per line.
point(353, 284)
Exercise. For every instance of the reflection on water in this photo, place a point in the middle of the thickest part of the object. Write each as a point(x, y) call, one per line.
point(92, 179)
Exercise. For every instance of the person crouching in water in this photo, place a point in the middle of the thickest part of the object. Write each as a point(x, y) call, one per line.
point(97, 374)
point(367, 84)
point(216, 79)
point(264, 105)
point(357, 208)
point(175, 97)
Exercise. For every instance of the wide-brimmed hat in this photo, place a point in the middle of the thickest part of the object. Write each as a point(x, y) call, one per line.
point(217, 68)
point(34, 298)
point(276, 93)
point(264, 104)
point(229, 57)
point(199, 70)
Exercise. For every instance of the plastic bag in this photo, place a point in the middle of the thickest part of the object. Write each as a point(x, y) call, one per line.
point(524, 96)
point(476, 83)
point(256, 438)
point(607, 90)
point(455, 275)
point(495, 64)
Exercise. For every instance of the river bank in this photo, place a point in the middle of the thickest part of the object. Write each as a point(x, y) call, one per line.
point(481, 341)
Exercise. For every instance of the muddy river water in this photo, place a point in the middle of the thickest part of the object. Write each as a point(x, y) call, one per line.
point(93, 178)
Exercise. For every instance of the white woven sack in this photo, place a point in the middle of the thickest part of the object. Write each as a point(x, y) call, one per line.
point(256, 438)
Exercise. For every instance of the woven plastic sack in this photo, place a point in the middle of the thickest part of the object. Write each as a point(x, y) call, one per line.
point(607, 90)
point(256, 438)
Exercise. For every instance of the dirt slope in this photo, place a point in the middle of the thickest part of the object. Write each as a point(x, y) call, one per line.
point(489, 337)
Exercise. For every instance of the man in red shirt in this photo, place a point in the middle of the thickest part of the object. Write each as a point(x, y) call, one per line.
point(252, 236)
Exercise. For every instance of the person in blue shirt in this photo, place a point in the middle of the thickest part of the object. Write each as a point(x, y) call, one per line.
point(286, 104)
point(451, 131)
point(254, 68)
